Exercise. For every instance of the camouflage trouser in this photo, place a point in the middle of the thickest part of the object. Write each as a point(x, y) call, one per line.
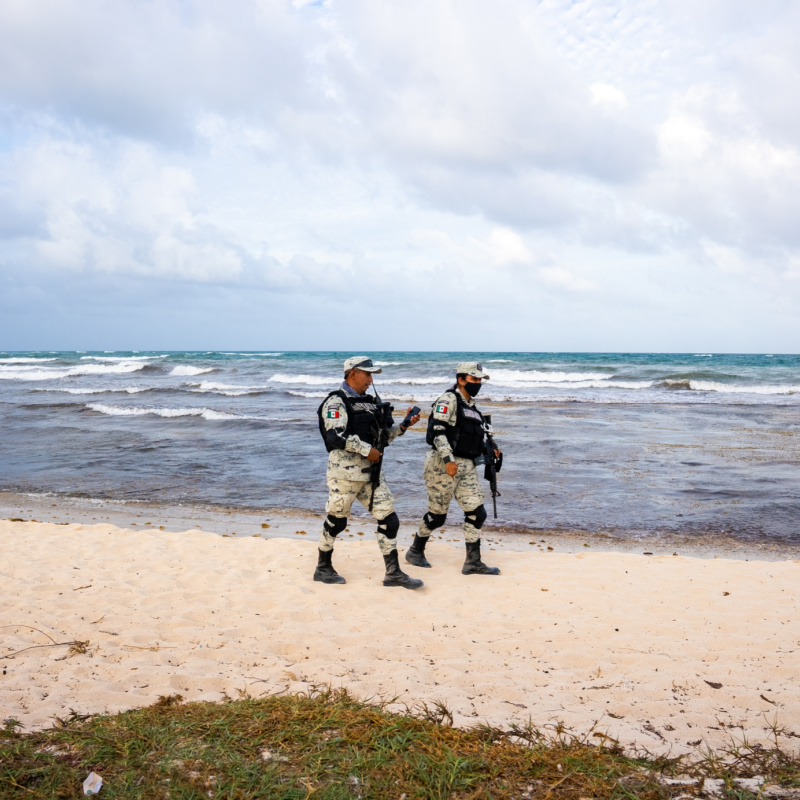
point(465, 487)
point(342, 495)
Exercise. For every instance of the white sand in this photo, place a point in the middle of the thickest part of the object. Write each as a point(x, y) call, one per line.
point(623, 642)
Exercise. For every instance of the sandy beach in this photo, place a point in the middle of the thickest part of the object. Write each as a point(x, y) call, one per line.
point(665, 652)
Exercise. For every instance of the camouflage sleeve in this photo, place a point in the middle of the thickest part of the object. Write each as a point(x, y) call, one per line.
point(444, 413)
point(394, 432)
point(334, 417)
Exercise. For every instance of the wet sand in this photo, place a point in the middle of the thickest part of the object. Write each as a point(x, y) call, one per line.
point(290, 522)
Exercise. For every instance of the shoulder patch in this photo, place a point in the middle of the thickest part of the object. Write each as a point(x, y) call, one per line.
point(441, 408)
point(333, 413)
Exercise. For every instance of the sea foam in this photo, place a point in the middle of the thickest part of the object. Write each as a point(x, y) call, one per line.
point(23, 360)
point(120, 358)
point(400, 398)
point(309, 380)
point(227, 389)
point(713, 386)
point(516, 376)
point(424, 381)
point(295, 393)
point(205, 413)
point(27, 373)
point(186, 370)
point(570, 386)
point(104, 390)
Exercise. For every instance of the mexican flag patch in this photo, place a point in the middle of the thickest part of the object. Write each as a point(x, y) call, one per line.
point(333, 413)
point(441, 408)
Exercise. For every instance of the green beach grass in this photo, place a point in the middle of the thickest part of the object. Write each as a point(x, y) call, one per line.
point(326, 744)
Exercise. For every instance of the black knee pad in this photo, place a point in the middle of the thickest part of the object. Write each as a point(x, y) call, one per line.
point(477, 517)
point(334, 525)
point(389, 526)
point(433, 521)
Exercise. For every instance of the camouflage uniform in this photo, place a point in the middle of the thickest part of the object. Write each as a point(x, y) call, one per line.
point(352, 423)
point(348, 473)
point(465, 487)
point(455, 426)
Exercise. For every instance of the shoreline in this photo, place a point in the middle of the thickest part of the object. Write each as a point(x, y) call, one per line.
point(243, 522)
point(662, 652)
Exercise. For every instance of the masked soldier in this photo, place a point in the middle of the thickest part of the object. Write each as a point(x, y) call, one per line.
point(354, 425)
point(456, 435)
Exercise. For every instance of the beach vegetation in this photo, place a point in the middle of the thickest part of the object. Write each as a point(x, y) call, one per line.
point(326, 744)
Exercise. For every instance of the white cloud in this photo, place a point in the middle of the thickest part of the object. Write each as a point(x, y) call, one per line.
point(683, 138)
point(503, 247)
point(563, 278)
point(313, 148)
point(726, 258)
point(116, 209)
point(608, 98)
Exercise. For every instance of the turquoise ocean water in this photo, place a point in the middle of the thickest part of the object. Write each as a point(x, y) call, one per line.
point(626, 444)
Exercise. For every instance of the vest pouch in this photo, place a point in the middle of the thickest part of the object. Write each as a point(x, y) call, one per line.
point(362, 420)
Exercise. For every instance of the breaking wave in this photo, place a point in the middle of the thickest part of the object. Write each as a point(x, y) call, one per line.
point(426, 381)
point(584, 384)
point(695, 385)
point(106, 390)
point(676, 384)
point(205, 413)
point(24, 360)
point(400, 398)
point(27, 373)
point(226, 389)
point(496, 395)
point(316, 380)
point(713, 386)
point(121, 358)
point(510, 377)
point(310, 380)
point(186, 370)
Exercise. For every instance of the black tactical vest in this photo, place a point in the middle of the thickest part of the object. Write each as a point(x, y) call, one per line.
point(466, 436)
point(362, 418)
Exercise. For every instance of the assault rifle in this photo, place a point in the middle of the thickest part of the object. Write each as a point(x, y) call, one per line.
point(383, 420)
point(493, 463)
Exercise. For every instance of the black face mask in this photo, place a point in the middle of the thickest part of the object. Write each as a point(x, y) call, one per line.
point(472, 388)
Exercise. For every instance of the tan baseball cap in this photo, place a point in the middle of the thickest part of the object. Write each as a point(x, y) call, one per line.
point(472, 368)
point(360, 362)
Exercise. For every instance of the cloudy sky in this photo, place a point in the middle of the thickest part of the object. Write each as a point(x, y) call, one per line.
point(402, 174)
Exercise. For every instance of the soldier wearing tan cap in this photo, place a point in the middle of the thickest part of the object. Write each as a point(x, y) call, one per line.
point(456, 431)
point(350, 421)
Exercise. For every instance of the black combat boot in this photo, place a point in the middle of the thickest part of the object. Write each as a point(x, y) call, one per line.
point(416, 553)
point(325, 571)
point(473, 565)
point(395, 576)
